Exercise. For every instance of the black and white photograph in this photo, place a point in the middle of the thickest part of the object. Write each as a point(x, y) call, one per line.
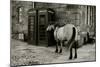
point(51, 33)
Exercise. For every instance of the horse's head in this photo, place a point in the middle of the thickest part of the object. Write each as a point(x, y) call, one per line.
point(50, 28)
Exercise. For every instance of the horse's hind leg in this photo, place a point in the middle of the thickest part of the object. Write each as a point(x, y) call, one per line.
point(75, 50)
point(70, 57)
point(56, 51)
point(71, 52)
point(61, 44)
point(75, 53)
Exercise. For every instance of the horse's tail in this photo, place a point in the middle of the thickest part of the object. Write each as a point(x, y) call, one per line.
point(72, 38)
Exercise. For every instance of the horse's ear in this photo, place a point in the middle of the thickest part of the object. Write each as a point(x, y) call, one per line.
point(47, 29)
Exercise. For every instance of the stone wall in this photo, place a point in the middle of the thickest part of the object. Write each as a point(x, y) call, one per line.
point(19, 24)
point(16, 25)
point(79, 15)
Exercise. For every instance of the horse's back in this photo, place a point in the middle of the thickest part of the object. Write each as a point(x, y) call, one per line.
point(64, 33)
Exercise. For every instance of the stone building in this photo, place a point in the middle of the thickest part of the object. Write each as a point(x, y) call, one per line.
point(19, 18)
point(80, 15)
point(83, 16)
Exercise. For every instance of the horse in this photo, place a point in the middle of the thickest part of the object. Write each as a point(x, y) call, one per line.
point(65, 33)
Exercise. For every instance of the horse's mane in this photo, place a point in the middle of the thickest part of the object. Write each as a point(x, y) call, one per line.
point(59, 25)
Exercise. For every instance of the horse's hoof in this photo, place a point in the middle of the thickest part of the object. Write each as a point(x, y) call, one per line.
point(70, 58)
point(56, 51)
point(75, 57)
point(60, 51)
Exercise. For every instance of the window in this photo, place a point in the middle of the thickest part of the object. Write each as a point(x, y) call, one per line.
point(20, 14)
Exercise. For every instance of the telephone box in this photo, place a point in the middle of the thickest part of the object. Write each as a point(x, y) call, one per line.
point(45, 16)
point(32, 20)
point(38, 21)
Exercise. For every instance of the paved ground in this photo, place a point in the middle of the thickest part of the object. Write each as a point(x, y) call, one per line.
point(25, 54)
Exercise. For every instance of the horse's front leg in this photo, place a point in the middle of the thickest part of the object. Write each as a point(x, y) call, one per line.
point(61, 45)
point(56, 51)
